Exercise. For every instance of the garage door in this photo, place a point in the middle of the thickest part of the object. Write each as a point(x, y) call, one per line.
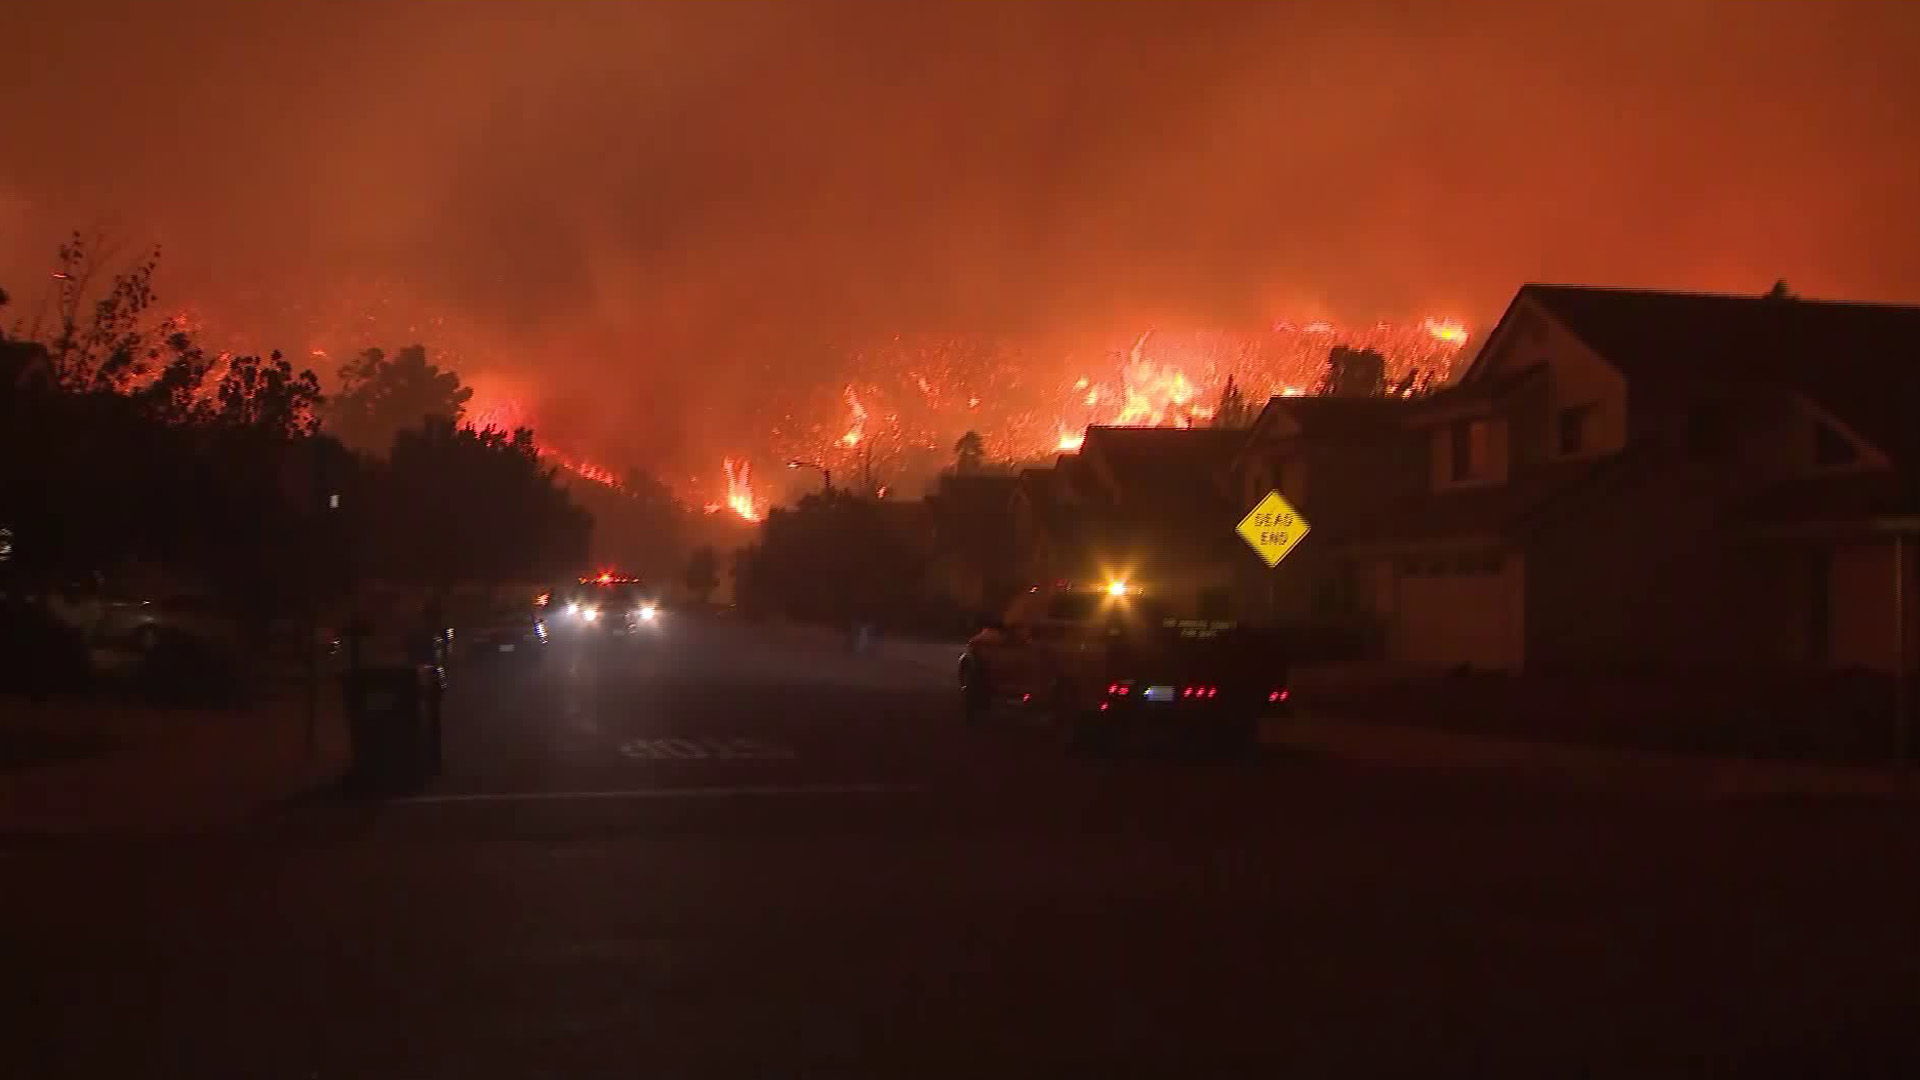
point(1453, 612)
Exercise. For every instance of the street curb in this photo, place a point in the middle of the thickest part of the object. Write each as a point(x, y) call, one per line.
point(1629, 771)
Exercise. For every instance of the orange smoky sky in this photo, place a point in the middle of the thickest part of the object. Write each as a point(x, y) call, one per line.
point(665, 218)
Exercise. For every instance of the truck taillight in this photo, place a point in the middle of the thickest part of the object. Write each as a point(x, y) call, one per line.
point(1278, 695)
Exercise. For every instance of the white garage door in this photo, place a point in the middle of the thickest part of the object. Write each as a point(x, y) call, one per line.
point(1453, 612)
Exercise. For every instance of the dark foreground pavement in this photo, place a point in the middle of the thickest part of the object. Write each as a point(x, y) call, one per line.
point(722, 853)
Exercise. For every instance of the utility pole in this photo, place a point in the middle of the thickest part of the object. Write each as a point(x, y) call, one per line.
point(826, 474)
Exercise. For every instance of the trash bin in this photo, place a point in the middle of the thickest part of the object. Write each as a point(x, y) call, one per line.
point(393, 716)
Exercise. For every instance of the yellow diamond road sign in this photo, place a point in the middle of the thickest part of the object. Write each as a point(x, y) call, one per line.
point(1273, 528)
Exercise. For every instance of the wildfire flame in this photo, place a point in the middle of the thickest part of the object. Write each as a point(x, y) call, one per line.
point(740, 498)
point(585, 470)
point(1155, 395)
point(1026, 401)
point(859, 429)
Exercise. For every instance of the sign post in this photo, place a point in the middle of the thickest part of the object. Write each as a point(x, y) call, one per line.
point(1273, 528)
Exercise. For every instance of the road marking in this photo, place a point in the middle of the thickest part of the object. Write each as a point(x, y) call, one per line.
point(705, 749)
point(729, 792)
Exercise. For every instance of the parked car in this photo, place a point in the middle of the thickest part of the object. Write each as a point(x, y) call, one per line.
point(503, 632)
point(140, 621)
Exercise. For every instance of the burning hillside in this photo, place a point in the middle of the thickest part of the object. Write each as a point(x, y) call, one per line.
point(897, 410)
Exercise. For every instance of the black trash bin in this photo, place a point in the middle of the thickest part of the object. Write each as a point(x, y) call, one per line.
point(393, 715)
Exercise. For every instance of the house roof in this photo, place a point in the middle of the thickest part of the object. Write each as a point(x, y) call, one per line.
point(1171, 449)
point(1858, 362)
point(1168, 503)
point(975, 488)
point(1160, 467)
point(1337, 416)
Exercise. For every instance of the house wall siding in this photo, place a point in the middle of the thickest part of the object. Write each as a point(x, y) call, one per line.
point(1576, 378)
point(1634, 575)
point(1864, 625)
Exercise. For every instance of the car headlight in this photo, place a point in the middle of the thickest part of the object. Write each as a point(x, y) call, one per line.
point(649, 611)
point(573, 609)
point(589, 614)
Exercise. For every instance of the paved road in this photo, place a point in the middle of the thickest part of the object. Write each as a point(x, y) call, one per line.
point(719, 853)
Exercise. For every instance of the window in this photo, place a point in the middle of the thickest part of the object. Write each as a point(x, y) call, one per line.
point(1470, 438)
point(1830, 448)
point(1573, 429)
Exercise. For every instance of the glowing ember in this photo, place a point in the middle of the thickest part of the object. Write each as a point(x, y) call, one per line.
point(1446, 330)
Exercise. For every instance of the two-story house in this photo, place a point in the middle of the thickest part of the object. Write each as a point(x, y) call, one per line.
point(1640, 480)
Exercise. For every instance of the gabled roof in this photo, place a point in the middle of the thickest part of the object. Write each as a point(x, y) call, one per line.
point(1141, 491)
point(1162, 448)
point(1858, 362)
point(975, 487)
point(1160, 466)
point(1336, 416)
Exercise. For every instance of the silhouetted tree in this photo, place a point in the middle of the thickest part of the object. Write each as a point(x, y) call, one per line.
point(381, 396)
point(267, 397)
point(1232, 412)
point(122, 441)
point(1354, 373)
point(101, 340)
point(637, 524)
point(459, 505)
point(833, 558)
point(969, 453)
point(703, 573)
